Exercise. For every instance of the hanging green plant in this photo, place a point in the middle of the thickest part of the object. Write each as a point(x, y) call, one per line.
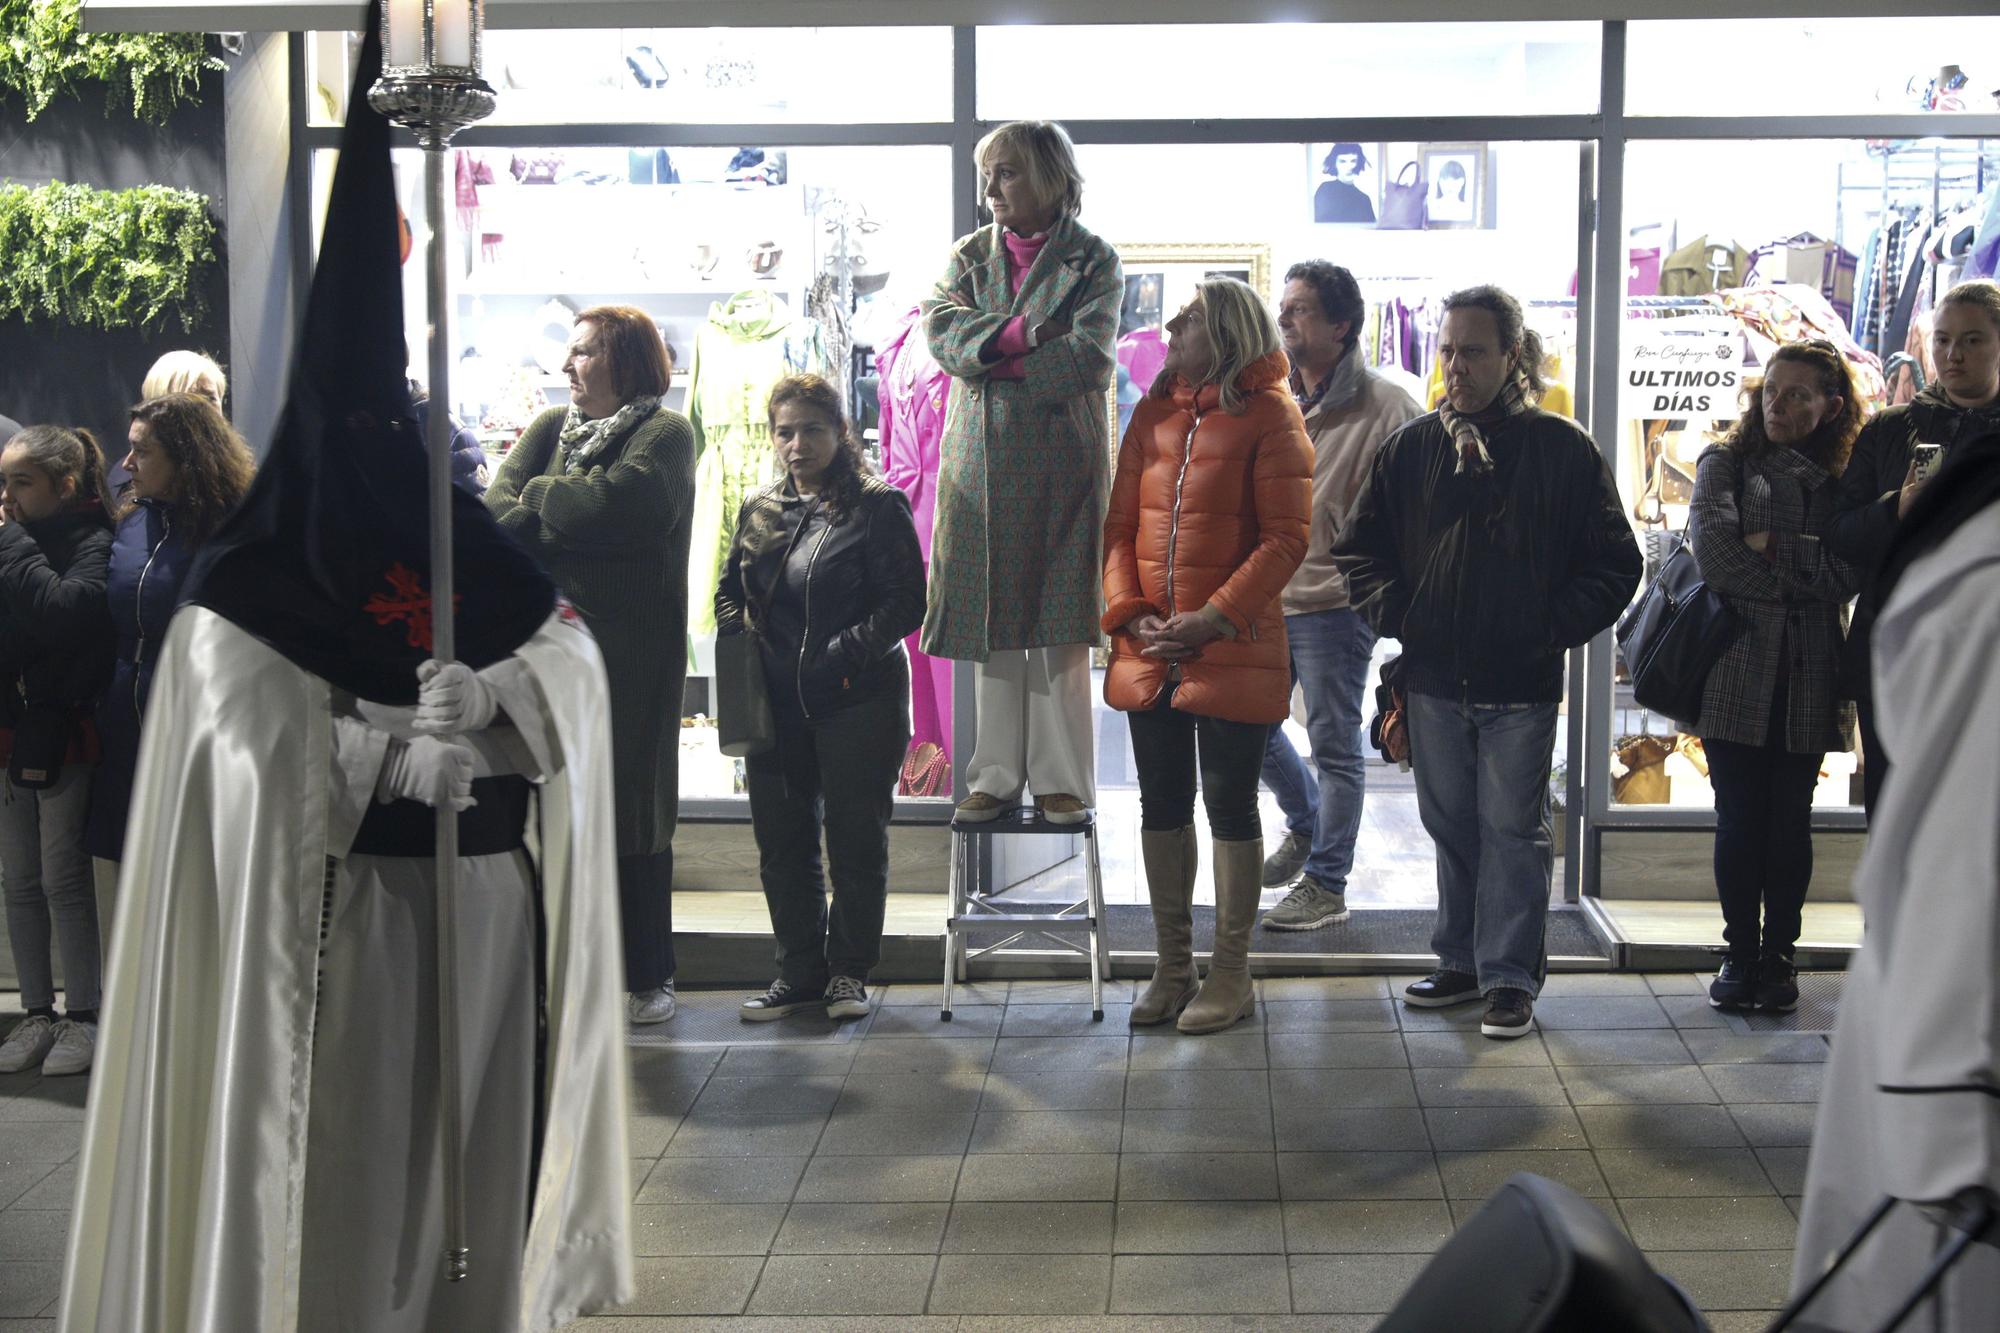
point(104, 259)
point(45, 54)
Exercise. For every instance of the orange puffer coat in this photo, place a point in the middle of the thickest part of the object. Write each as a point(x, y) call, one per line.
point(1209, 509)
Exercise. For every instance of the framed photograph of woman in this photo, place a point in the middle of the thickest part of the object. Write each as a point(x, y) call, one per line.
point(1459, 185)
point(1344, 182)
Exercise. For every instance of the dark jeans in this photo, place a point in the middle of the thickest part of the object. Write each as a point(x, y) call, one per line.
point(646, 910)
point(1164, 747)
point(838, 772)
point(1763, 837)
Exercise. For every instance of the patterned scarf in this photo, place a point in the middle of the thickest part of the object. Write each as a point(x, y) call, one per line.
point(1513, 400)
point(582, 441)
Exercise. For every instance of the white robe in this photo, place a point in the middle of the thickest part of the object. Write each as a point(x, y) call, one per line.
point(191, 1191)
point(1911, 1106)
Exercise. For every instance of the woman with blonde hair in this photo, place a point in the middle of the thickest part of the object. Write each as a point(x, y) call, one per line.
point(185, 372)
point(1210, 510)
point(1025, 321)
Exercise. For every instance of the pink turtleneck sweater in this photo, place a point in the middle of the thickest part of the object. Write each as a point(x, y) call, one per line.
point(1012, 340)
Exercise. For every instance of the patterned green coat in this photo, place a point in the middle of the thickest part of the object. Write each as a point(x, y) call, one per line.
point(1020, 511)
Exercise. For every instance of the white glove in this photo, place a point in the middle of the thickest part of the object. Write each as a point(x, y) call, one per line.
point(426, 769)
point(452, 699)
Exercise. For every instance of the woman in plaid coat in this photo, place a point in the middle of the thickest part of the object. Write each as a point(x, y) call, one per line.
point(1763, 500)
point(1025, 321)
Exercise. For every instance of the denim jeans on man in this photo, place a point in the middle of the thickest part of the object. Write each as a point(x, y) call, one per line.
point(1330, 655)
point(1482, 775)
point(46, 873)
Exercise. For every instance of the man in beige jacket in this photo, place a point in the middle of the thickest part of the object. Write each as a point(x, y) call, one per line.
point(1349, 411)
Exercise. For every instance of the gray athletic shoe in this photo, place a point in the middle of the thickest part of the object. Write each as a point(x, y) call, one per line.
point(1307, 907)
point(1283, 865)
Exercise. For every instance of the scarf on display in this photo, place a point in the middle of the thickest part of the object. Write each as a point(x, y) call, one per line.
point(1470, 436)
point(582, 441)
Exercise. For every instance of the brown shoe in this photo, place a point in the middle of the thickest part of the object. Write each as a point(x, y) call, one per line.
point(979, 808)
point(1062, 808)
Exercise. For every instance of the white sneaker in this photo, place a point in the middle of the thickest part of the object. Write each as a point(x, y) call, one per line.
point(27, 1044)
point(650, 1006)
point(75, 1044)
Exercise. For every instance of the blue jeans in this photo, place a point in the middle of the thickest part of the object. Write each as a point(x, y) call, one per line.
point(1483, 791)
point(1330, 655)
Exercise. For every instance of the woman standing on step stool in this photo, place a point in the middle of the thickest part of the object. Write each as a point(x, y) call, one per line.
point(1209, 515)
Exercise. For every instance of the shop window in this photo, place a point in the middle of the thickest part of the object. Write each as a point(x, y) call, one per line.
point(1133, 71)
point(1806, 67)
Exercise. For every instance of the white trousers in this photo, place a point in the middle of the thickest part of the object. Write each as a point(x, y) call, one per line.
point(1034, 724)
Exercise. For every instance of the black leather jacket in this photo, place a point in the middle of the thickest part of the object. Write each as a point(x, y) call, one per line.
point(55, 627)
point(832, 592)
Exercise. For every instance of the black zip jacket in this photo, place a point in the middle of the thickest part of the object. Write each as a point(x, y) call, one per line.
point(832, 595)
point(55, 626)
point(1487, 579)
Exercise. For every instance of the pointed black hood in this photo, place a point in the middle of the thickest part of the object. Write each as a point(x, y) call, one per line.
point(328, 558)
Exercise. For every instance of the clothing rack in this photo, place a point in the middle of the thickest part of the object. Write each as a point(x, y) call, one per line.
point(1946, 171)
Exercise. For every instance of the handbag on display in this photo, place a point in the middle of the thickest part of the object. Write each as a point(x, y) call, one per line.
point(1402, 205)
point(41, 745)
point(744, 725)
point(1673, 638)
point(926, 771)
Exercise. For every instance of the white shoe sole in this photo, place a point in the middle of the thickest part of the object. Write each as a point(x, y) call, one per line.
point(964, 816)
point(1441, 1001)
point(50, 1070)
point(777, 1011)
point(1066, 819)
point(1329, 919)
point(1506, 1033)
point(647, 1020)
point(845, 1009)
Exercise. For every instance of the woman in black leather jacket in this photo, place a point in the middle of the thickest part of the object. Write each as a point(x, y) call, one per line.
point(826, 570)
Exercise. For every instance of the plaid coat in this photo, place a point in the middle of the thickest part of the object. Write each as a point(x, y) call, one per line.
point(1021, 482)
point(1793, 608)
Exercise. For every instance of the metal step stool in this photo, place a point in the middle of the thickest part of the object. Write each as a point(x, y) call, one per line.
point(1059, 924)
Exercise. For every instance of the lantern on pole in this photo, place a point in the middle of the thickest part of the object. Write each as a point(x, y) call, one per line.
point(430, 85)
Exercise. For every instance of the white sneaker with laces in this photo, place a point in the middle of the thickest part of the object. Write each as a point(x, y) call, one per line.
point(846, 997)
point(651, 1006)
point(27, 1044)
point(75, 1044)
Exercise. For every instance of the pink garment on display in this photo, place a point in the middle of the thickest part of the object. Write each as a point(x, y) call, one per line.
point(1142, 352)
point(914, 393)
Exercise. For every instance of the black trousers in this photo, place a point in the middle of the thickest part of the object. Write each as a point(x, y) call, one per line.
point(836, 773)
point(646, 910)
point(1170, 747)
point(1763, 838)
point(1874, 759)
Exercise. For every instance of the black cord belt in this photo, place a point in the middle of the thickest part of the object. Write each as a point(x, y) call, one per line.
point(499, 823)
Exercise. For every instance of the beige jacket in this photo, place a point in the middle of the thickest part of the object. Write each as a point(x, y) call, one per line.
point(1359, 411)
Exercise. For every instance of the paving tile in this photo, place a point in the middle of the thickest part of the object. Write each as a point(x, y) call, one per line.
point(1457, 1018)
point(1615, 1085)
point(1326, 1089)
point(1064, 1090)
point(1043, 1055)
point(616, 1323)
point(649, 1135)
point(1221, 1050)
point(1786, 1167)
point(692, 1286)
point(1164, 1323)
point(951, 1092)
point(1629, 1046)
point(1046, 1132)
point(39, 1145)
point(1752, 1222)
point(1358, 1175)
point(679, 1229)
point(964, 995)
point(822, 1284)
point(1729, 1048)
point(1200, 1284)
point(1632, 1126)
point(1318, 1050)
point(1197, 1176)
point(1360, 1129)
point(787, 1060)
point(1373, 1226)
point(1204, 1131)
point(1678, 983)
point(1569, 985)
point(1693, 1011)
point(56, 1189)
point(1070, 991)
point(34, 1234)
point(1797, 1204)
point(1330, 1016)
point(1767, 1083)
point(862, 1228)
point(1021, 1284)
point(1030, 1228)
point(1730, 1280)
point(1601, 1011)
point(1637, 1173)
point(1476, 1175)
point(776, 1095)
point(1352, 1283)
point(1776, 1124)
point(1487, 1128)
point(47, 1099)
point(688, 1063)
point(1527, 1085)
point(1429, 1050)
point(1039, 1177)
point(1063, 1020)
point(884, 1179)
point(639, 1168)
point(906, 1133)
point(1203, 1227)
point(1282, 989)
point(1197, 1089)
point(664, 1096)
point(921, 1057)
point(746, 1135)
point(721, 1180)
point(977, 1023)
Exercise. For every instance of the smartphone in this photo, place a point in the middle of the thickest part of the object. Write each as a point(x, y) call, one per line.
point(1926, 457)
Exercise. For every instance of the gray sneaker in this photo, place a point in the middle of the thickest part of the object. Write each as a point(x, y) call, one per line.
point(1307, 907)
point(27, 1044)
point(1283, 865)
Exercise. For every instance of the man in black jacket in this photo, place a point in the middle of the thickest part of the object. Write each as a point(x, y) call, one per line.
point(1489, 539)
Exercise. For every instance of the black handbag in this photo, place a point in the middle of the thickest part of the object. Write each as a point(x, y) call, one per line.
point(41, 745)
point(744, 723)
point(1673, 638)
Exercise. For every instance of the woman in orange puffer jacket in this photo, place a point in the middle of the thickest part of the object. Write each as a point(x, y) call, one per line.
point(1209, 514)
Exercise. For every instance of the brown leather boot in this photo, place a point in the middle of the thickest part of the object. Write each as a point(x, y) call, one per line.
point(1171, 858)
point(1225, 993)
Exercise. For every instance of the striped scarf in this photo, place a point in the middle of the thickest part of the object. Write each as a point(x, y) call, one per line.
point(1512, 400)
point(583, 440)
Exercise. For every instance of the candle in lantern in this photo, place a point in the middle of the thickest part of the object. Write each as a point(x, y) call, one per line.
point(406, 32)
point(454, 32)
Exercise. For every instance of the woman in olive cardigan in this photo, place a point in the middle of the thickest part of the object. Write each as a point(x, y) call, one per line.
point(603, 492)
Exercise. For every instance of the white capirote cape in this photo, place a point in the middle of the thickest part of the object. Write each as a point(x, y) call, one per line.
point(192, 1180)
point(1911, 1105)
